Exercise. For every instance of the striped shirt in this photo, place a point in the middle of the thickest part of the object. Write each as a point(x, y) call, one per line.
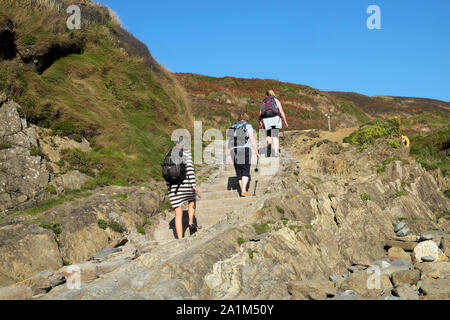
point(179, 194)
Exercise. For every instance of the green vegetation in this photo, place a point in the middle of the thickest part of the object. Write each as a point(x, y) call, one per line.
point(55, 227)
point(367, 134)
point(121, 196)
point(51, 189)
point(5, 145)
point(251, 253)
point(102, 224)
point(430, 150)
point(241, 241)
point(115, 226)
point(140, 229)
point(165, 206)
point(284, 221)
point(261, 228)
point(443, 215)
point(365, 197)
point(45, 205)
point(447, 193)
point(280, 210)
point(35, 151)
point(29, 40)
point(401, 194)
point(318, 180)
point(348, 107)
point(125, 103)
point(147, 222)
point(296, 228)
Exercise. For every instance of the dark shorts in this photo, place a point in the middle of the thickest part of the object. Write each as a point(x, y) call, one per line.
point(273, 132)
point(242, 162)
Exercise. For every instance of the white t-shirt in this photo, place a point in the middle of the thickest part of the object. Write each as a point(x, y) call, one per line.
point(275, 122)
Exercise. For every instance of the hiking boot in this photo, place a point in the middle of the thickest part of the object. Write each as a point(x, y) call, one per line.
point(246, 194)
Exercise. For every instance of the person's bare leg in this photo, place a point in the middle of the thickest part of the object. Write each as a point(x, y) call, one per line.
point(191, 212)
point(276, 146)
point(240, 187)
point(179, 221)
point(244, 183)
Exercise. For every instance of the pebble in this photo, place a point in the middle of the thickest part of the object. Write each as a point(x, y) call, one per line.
point(428, 259)
point(399, 226)
point(403, 232)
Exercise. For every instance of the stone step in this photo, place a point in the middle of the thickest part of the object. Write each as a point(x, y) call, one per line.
point(208, 195)
point(228, 187)
point(220, 202)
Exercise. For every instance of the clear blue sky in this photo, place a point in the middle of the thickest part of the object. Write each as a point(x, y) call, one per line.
point(322, 43)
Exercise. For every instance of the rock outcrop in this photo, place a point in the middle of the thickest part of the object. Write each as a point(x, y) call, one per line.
point(23, 172)
point(312, 232)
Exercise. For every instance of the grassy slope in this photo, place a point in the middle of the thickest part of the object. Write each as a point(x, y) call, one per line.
point(123, 107)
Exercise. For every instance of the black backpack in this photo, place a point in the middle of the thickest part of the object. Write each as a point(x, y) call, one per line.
point(174, 167)
point(269, 108)
point(238, 134)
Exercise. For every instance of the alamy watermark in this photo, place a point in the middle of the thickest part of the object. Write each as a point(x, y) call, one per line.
point(374, 21)
point(74, 20)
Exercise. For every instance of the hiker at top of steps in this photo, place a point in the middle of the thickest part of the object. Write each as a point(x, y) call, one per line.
point(270, 118)
point(185, 192)
point(241, 139)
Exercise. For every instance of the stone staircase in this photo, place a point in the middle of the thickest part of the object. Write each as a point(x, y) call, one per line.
point(219, 198)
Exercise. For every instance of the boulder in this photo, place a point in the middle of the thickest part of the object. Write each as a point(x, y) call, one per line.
point(406, 292)
point(428, 249)
point(436, 289)
point(311, 289)
point(396, 253)
point(73, 180)
point(405, 245)
point(436, 270)
point(410, 277)
point(16, 292)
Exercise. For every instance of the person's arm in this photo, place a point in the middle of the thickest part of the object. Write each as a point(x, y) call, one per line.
point(260, 120)
point(283, 115)
point(254, 145)
point(190, 172)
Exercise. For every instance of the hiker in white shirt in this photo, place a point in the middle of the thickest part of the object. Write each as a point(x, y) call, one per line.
point(271, 117)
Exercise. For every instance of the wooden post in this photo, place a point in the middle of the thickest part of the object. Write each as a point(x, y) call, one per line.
point(328, 115)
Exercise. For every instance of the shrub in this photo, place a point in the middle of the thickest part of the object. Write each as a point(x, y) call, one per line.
point(55, 227)
point(115, 226)
point(365, 197)
point(261, 228)
point(63, 128)
point(35, 151)
point(77, 138)
point(5, 145)
point(51, 189)
point(241, 241)
point(140, 229)
point(251, 253)
point(29, 40)
point(367, 134)
point(102, 224)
